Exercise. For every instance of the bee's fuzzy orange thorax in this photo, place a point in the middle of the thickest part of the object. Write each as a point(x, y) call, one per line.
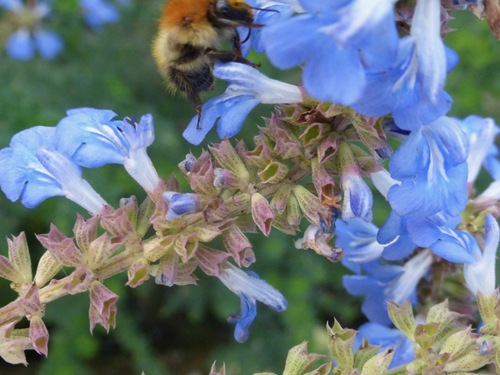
point(184, 13)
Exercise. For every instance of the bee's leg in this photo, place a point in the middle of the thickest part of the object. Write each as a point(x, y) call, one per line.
point(192, 84)
point(236, 42)
point(198, 109)
point(229, 56)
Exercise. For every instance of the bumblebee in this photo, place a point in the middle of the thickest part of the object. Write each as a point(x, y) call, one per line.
point(190, 33)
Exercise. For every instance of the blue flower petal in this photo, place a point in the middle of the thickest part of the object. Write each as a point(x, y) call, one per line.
point(235, 111)
point(377, 334)
point(244, 319)
point(455, 246)
point(327, 7)
point(395, 235)
point(10, 4)
point(335, 75)
point(48, 43)
point(98, 12)
point(300, 29)
point(20, 45)
point(91, 138)
point(375, 305)
point(21, 174)
point(180, 204)
point(431, 167)
point(195, 134)
point(374, 54)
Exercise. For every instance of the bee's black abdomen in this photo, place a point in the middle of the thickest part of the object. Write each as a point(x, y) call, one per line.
point(202, 79)
point(188, 53)
point(192, 82)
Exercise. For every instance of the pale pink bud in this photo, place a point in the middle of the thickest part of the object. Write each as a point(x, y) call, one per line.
point(262, 213)
point(228, 158)
point(79, 280)
point(17, 267)
point(138, 273)
point(47, 269)
point(102, 306)
point(39, 335)
point(238, 245)
point(210, 260)
point(85, 231)
point(273, 173)
point(13, 345)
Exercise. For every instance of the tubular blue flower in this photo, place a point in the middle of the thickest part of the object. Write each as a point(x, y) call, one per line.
point(247, 88)
point(32, 170)
point(480, 275)
point(333, 71)
point(388, 282)
point(250, 288)
point(394, 236)
point(453, 245)
point(92, 138)
point(359, 17)
point(432, 170)
point(358, 239)
point(29, 36)
point(180, 204)
point(431, 55)
point(269, 12)
point(492, 163)
point(481, 133)
point(98, 12)
point(382, 181)
point(412, 89)
point(385, 337)
point(402, 234)
point(358, 199)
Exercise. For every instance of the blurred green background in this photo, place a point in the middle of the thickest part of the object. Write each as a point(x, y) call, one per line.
point(180, 330)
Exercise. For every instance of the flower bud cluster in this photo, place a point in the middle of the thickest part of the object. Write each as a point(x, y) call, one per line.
point(439, 344)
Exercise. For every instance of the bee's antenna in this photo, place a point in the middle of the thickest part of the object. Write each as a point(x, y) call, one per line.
point(248, 36)
point(265, 9)
point(198, 109)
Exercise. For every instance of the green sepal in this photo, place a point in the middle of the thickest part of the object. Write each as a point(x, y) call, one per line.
point(403, 319)
point(340, 345)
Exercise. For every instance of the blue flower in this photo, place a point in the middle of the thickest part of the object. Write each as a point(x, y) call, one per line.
point(481, 133)
point(32, 170)
point(358, 198)
point(432, 170)
point(244, 318)
point(334, 61)
point(98, 12)
point(394, 235)
point(358, 239)
point(250, 288)
point(386, 282)
point(248, 87)
point(93, 138)
point(180, 204)
point(268, 13)
point(412, 89)
point(480, 274)
point(385, 337)
point(30, 36)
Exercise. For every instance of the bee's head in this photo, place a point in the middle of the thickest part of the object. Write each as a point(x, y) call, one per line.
point(235, 12)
